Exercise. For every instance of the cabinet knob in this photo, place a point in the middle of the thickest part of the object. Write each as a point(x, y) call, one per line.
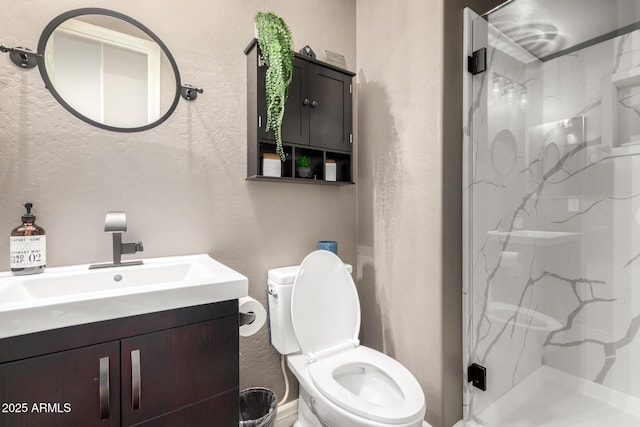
point(306, 101)
point(314, 104)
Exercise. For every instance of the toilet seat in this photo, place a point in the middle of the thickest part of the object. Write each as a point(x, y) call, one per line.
point(390, 394)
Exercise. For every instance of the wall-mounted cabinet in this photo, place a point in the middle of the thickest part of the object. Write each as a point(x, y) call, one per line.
point(317, 121)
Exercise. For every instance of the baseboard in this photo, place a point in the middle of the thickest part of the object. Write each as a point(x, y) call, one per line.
point(287, 414)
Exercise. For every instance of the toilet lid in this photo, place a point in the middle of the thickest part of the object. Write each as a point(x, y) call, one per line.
point(325, 310)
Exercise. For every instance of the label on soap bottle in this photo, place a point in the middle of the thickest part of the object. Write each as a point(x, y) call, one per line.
point(27, 251)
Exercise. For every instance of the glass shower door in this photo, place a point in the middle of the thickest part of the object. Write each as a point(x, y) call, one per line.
point(506, 171)
point(552, 216)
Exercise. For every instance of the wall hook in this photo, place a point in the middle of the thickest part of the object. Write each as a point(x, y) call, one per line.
point(189, 92)
point(21, 56)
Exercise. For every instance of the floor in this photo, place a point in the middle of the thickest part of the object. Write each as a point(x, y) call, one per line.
point(552, 398)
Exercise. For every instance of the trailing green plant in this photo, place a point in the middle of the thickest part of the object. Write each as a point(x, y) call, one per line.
point(303, 162)
point(276, 51)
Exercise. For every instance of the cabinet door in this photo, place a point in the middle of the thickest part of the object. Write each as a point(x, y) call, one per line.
point(78, 387)
point(330, 116)
point(295, 123)
point(224, 405)
point(178, 368)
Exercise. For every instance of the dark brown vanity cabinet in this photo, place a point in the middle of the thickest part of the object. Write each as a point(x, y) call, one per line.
point(178, 367)
point(317, 121)
point(78, 387)
point(181, 372)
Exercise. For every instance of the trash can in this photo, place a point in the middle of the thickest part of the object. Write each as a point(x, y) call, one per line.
point(258, 407)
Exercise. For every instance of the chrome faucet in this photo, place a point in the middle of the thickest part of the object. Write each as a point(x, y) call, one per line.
point(116, 223)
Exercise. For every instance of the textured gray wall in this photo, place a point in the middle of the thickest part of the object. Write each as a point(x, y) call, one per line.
point(182, 184)
point(410, 71)
point(399, 193)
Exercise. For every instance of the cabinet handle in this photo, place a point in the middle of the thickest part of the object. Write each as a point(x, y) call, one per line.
point(314, 104)
point(104, 388)
point(306, 101)
point(136, 390)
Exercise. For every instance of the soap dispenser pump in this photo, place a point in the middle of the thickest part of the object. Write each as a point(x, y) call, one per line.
point(28, 246)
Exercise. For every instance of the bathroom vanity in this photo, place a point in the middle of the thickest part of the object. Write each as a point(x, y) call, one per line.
point(171, 366)
point(176, 365)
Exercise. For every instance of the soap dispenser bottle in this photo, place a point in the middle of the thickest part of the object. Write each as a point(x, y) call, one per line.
point(28, 246)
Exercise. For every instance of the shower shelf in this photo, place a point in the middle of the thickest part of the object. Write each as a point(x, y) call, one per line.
point(626, 78)
point(539, 237)
point(618, 132)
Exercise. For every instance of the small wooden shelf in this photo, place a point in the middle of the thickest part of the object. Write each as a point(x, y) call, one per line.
point(297, 180)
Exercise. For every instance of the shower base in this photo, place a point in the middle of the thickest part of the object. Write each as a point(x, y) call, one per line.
point(552, 398)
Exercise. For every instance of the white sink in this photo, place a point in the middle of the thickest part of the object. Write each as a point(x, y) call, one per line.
point(66, 296)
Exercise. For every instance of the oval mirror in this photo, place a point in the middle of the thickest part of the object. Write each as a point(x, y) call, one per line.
point(108, 70)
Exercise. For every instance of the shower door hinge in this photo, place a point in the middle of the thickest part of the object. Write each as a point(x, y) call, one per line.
point(477, 375)
point(477, 63)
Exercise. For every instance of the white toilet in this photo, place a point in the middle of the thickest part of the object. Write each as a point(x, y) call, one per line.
point(314, 316)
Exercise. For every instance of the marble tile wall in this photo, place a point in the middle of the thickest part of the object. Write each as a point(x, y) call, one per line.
point(596, 294)
point(553, 196)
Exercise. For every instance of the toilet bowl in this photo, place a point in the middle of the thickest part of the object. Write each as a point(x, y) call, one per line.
point(314, 315)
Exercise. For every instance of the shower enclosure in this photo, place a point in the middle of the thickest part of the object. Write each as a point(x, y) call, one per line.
point(552, 214)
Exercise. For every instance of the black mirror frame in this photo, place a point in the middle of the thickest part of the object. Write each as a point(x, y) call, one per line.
point(51, 27)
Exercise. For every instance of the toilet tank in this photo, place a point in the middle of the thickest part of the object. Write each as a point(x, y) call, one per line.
point(280, 285)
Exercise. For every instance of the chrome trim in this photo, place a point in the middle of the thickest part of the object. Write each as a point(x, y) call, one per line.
point(136, 390)
point(104, 388)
